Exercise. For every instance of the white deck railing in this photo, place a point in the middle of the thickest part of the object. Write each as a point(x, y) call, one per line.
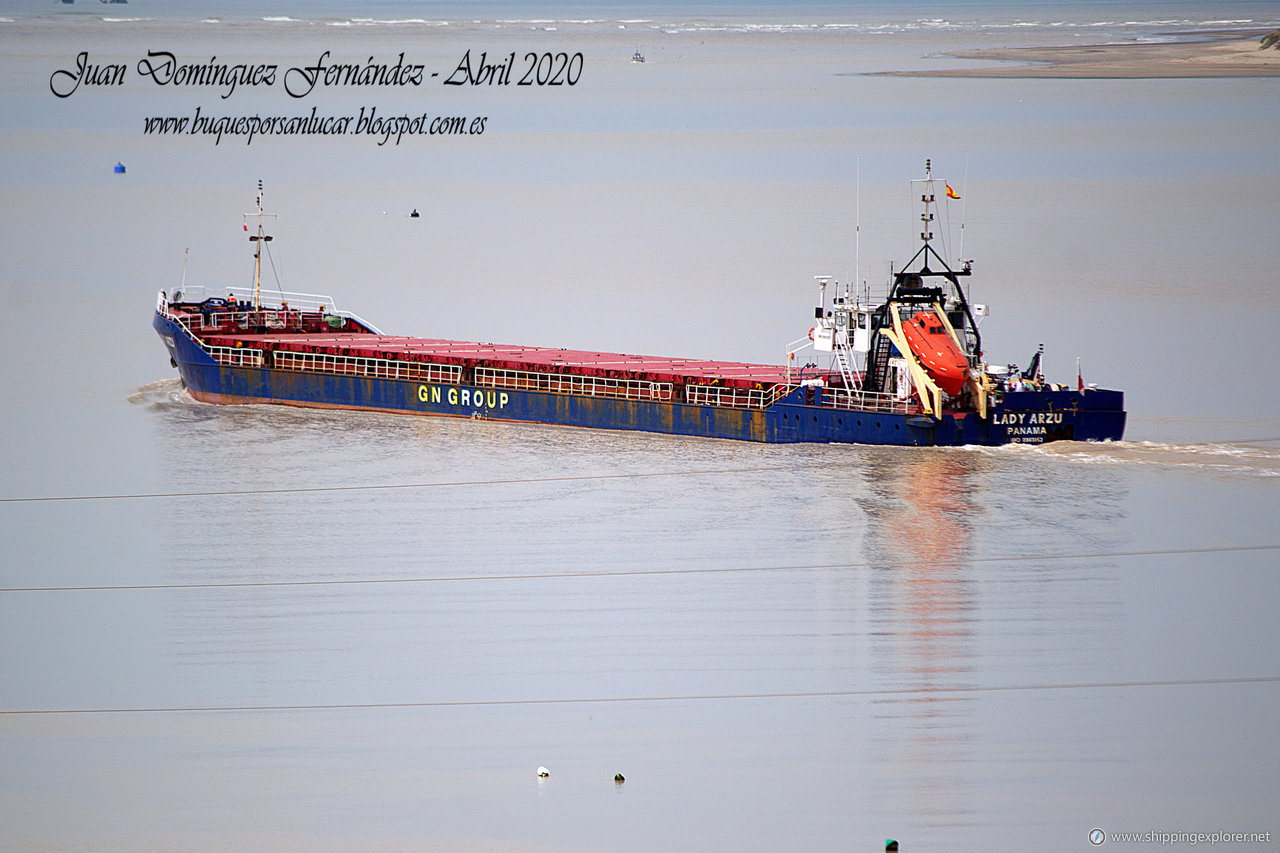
point(378, 368)
point(272, 304)
point(236, 356)
point(570, 383)
point(733, 398)
point(866, 401)
point(244, 295)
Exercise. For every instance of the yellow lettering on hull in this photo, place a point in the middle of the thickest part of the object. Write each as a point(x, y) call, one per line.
point(478, 398)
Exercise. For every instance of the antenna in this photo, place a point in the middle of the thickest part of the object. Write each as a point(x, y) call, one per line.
point(857, 224)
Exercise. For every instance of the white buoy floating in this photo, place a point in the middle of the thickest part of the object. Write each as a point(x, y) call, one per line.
point(543, 772)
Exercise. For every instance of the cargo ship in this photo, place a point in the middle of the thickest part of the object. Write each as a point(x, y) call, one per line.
point(907, 369)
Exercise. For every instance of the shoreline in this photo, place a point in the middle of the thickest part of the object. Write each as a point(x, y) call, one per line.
point(1215, 54)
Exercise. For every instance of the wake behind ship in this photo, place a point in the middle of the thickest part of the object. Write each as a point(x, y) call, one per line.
point(905, 370)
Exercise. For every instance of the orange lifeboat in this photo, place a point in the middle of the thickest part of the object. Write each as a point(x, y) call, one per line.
point(937, 351)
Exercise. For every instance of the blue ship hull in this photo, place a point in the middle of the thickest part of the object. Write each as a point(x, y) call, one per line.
point(1021, 417)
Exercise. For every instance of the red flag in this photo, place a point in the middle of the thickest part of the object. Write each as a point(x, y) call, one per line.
point(952, 193)
point(1079, 378)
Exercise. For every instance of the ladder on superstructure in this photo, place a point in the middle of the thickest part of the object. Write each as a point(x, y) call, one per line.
point(844, 360)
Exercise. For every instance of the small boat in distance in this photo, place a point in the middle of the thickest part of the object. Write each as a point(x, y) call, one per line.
point(907, 369)
point(637, 56)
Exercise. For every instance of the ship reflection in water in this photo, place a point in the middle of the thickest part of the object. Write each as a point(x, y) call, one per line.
point(919, 545)
point(922, 616)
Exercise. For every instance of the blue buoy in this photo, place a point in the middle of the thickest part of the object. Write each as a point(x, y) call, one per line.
point(119, 168)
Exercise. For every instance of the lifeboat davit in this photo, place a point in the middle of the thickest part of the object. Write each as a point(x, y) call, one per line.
point(937, 351)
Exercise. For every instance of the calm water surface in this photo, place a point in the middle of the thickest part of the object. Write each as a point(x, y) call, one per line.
point(261, 628)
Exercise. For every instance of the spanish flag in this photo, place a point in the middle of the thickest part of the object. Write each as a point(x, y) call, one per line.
point(952, 193)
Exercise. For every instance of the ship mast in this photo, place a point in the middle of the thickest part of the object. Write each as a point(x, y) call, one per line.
point(916, 279)
point(257, 239)
point(927, 197)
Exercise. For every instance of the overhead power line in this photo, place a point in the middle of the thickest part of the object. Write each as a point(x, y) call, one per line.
point(388, 486)
point(952, 690)
point(621, 573)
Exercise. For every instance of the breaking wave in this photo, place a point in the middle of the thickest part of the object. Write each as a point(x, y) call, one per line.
point(165, 393)
point(680, 18)
point(1249, 459)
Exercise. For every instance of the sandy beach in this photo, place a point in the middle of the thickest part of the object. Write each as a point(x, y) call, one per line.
point(1219, 54)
